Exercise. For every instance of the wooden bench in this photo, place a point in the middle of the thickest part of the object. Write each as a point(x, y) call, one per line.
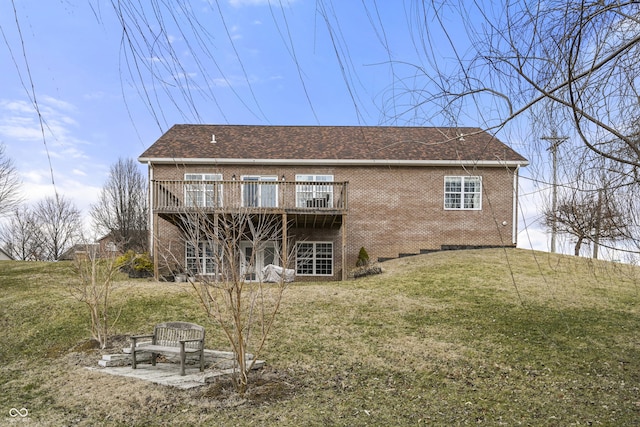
point(171, 338)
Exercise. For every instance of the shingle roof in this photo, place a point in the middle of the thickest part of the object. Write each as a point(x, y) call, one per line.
point(186, 143)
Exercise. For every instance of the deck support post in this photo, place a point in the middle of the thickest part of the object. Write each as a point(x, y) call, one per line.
point(285, 249)
point(344, 247)
point(154, 247)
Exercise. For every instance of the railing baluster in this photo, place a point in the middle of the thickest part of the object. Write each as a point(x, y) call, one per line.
point(301, 196)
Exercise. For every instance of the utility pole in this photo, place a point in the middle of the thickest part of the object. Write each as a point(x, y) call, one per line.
point(553, 148)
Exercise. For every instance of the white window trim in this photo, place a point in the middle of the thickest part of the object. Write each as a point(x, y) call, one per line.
point(205, 177)
point(324, 187)
point(314, 259)
point(462, 193)
point(201, 258)
point(257, 263)
point(261, 178)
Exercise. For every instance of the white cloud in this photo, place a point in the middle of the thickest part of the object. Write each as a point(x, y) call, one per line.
point(16, 106)
point(57, 104)
point(61, 151)
point(19, 120)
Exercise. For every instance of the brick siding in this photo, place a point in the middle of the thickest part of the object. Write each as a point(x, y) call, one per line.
point(393, 210)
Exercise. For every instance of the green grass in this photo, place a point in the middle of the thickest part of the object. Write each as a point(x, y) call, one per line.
point(497, 337)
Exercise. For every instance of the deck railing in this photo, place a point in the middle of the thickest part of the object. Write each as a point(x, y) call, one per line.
point(295, 196)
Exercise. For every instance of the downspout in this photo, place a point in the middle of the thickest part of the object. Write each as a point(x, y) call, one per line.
point(514, 231)
point(152, 223)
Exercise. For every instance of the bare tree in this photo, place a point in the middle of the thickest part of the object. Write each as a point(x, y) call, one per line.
point(95, 272)
point(226, 251)
point(21, 236)
point(575, 59)
point(9, 184)
point(121, 210)
point(59, 223)
point(588, 216)
point(231, 289)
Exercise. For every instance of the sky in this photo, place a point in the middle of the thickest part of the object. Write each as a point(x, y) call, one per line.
point(70, 63)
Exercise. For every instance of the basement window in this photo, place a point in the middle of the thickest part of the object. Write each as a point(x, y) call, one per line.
point(314, 259)
point(200, 258)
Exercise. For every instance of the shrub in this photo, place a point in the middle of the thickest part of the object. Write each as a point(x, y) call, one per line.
point(363, 258)
point(136, 265)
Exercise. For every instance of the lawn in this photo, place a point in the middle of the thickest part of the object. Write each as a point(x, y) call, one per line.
point(495, 337)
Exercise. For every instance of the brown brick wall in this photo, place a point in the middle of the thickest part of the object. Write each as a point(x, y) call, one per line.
point(392, 209)
point(398, 210)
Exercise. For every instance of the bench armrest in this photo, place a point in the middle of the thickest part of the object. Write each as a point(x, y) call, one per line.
point(134, 338)
point(142, 336)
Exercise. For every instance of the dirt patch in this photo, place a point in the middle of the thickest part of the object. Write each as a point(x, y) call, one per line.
point(88, 352)
point(267, 385)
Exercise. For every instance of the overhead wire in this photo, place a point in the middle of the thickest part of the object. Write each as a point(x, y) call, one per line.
point(30, 90)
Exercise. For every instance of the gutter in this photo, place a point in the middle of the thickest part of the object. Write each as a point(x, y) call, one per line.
point(336, 162)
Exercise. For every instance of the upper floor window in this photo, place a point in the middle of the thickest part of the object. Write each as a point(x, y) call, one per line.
point(260, 191)
point(463, 192)
point(200, 189)
point(316, 192)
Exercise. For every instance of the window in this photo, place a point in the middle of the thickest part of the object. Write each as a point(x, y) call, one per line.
point(260, 191)
point(256, 257)
point(314, 259)
point(463, 192)
point(200, 259)
point(310, 195)
point(206, 193)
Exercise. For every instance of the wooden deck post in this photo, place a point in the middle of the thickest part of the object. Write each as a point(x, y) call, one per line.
point(154, 247)
point(344, 247)
point(285, 253)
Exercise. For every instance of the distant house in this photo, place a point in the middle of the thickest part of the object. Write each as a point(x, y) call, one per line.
point(4, 256)
point(392, 190)
point(79, 249)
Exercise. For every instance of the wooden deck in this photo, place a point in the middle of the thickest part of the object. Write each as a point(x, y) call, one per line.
point(172, 197)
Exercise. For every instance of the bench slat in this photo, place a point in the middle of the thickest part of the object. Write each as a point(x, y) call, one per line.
point(164, 349)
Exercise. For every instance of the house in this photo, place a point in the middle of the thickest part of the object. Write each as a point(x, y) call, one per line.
point(79, 249)
point(113, 243)
point(392, 190)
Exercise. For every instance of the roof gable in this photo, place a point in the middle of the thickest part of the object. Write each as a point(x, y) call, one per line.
point(327, 144)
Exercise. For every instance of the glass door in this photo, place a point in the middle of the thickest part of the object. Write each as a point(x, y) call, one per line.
point(260, 191)
point(255, 259)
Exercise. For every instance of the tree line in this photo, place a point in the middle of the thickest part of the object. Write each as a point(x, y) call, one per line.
point(47, 229)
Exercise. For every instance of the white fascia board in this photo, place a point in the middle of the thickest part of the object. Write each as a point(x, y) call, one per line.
point(335, 162)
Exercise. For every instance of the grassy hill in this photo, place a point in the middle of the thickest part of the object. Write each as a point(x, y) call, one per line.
point(497, 337)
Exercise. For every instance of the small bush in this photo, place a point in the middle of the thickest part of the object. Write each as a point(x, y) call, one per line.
point(363, 258)
point(136, 265)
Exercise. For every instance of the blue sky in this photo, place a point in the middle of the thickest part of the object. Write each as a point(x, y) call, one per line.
point(256, 63)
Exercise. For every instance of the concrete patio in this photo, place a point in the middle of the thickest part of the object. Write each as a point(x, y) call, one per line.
point(168, 373)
